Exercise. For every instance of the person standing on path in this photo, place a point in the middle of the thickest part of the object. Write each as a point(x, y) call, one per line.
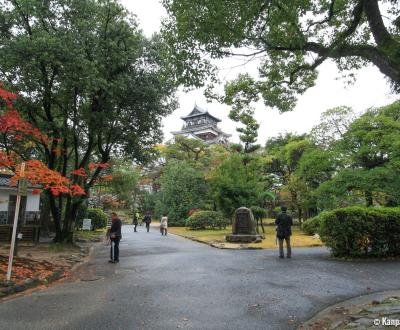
point(147, 221)
point(115, 237)
point(164, 225)
point(284, 224)
point(135, 222)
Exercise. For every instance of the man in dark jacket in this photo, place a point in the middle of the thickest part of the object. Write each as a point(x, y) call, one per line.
point(284, 224)
point(115, 237)
point(147, 221)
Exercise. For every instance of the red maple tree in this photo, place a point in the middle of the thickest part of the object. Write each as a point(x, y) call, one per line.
point(14, 128)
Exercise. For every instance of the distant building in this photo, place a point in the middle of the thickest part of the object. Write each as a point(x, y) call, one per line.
point(200, 124)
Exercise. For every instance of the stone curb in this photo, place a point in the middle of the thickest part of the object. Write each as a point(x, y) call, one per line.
point(220, 246)
point(329, 318)
point(53, 279)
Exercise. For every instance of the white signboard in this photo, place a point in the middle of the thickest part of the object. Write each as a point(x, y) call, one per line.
point(87, 224)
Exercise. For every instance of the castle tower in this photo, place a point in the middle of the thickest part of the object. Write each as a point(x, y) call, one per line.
point(200, 124)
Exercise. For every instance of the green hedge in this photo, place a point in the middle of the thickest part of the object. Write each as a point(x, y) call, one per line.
point(98, 217)
point(357, 231)
point(312, 226)
point(258, 212)
point(207, 219)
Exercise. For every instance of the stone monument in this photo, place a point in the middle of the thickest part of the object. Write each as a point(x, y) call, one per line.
point(244, 228)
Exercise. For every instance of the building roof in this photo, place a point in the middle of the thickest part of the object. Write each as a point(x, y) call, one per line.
point(197, 111)
point(5, 181)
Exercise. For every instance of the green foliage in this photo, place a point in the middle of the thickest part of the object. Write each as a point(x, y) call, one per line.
point(99, 218)
point(289, 38)
point(369, 159)
point(356, 231)
point(88, 79)
point(124, 183)
point(182, 188)
point(312, 226)
point(207, 219)
point(258, 212)
point(234, 184)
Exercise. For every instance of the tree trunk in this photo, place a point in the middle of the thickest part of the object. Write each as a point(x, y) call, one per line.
point(56, 213)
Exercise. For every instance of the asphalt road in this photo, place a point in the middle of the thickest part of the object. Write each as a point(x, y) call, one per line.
point(169, 283)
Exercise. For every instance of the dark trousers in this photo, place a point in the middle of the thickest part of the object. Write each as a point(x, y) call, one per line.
point(164, 231)
point(148, 227)
point(288, 247)
point(135, 226)
point(114, 252)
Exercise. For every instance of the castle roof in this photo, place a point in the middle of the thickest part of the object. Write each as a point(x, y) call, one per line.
point(197, 111)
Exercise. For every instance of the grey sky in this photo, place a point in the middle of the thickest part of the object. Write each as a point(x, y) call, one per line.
point(370, 89)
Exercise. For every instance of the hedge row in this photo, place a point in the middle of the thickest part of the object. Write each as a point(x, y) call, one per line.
point(358, 232)
point(98, 217)
point(311, 226)
point(207, 219)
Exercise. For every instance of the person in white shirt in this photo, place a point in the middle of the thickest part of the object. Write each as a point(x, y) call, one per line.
point(164, 225)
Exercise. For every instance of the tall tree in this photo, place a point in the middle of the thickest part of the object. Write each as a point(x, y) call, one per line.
point(182, 188)
point(90, 81)
point(370, 157)
point(292, 39)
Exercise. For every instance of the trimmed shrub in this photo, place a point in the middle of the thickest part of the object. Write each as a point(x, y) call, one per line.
point(99, 218)
point(258, 212)
point(312, 226)
point(207, 219)
point(357, 231)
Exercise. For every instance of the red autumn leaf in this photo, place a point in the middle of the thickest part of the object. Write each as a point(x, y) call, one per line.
point(37, 173)
point(93, 166)
point(106, 178)
point(77, 190)
point(81, 172)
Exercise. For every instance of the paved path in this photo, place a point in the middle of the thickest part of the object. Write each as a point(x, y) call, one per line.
point(170, 283)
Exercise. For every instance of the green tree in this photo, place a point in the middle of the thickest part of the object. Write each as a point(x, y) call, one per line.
point(292, 38)
point(234, 184)
point(125, 184)
point(333, 124)
point(90, 80)
point(284, 155)
point(182, 188)
point(370, 157)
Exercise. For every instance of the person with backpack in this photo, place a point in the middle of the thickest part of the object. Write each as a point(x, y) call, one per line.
point(147, 221)
point(115, 237)
point(284, 224)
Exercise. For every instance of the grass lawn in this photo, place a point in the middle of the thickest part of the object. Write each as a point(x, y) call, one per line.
point(299, 238)
point(89, 234)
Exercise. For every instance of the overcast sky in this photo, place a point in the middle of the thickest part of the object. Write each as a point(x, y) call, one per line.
point(370, 89)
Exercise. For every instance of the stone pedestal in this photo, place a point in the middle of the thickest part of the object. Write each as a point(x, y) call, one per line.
point(243, 238)
point(244, 228)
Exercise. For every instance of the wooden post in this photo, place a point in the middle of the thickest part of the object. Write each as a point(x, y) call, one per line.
point(14, 232)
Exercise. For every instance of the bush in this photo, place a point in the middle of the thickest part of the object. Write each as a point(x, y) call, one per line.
point(99, 218)
point(357, 231)
point(312, 226)
point(258, 212)
point(207, 219)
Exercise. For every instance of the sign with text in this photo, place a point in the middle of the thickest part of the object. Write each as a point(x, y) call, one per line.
point(22, 187)
point(87, 224)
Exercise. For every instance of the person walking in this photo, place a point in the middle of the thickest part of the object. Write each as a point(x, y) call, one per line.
point(164, 225)
point(115, 237)
point(284, 224)
point(147, 221)
point(135, 222)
